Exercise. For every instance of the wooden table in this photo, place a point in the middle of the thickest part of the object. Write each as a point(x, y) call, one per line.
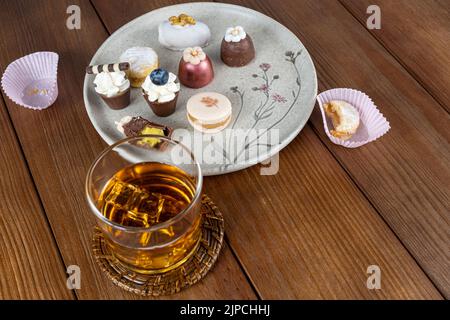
point(309, 232)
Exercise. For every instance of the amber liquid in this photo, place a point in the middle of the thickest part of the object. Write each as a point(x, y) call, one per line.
point(145, 195)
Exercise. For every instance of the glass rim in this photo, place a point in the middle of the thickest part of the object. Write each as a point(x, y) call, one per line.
point(158, 226)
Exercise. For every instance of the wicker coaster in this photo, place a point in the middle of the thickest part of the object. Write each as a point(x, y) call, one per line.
point(187, 274)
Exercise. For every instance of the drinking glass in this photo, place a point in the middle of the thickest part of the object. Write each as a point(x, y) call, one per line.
point(145, 193)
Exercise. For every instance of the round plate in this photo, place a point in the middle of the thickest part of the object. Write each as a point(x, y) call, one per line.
point(273, 95)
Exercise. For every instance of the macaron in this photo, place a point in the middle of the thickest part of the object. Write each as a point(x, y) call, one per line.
point(209, 112)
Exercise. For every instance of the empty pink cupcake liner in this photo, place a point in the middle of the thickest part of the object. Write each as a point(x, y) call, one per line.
point(31, 81)
point(372, 125)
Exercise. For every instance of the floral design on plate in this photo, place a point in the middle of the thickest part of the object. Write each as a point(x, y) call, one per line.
point(270, 100)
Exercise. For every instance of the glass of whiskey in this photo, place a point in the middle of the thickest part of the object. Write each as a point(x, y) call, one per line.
point(145, 193)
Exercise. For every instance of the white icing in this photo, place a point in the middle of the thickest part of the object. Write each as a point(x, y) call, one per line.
point(164, 93)
point(235, 34)
point(194, 55)
point(119, 124)
point(177, 37)
point(111, 84)
point(140, 58)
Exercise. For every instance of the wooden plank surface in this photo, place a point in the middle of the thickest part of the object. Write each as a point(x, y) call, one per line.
point(60, 144)
point(405, 174)
point(417, 33)
point(306, 232)
point(30, 265)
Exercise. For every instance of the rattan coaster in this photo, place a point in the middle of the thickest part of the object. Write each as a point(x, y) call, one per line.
point(187, 274)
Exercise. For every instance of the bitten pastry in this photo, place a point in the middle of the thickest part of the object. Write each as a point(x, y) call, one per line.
point(179, 33)
point(143, 61)
point(209, 112)
point(345, 118)
point(195, 69)
point(113, 87)
point(136, 126)
point(161, 90)
point(237, 48)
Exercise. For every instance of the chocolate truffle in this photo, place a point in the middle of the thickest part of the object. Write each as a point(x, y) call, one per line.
point(237, 48)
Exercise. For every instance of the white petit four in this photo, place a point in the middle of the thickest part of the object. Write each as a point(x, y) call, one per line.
point(179, 33)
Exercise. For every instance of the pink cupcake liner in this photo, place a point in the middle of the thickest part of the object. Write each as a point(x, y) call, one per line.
point(31, 81)
point(372, 122)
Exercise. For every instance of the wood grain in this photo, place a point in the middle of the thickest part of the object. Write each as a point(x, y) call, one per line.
point(60, 143)
point(128, 10)
point(306, 232)
point(405, 174)
point(30, 265)
point(417, 33)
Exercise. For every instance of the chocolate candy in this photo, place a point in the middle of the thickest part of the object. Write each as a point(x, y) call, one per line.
point(237, 54)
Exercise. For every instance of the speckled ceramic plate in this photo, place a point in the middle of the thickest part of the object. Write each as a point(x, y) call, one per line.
point(275, 92)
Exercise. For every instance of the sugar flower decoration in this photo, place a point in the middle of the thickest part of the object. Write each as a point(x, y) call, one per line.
point(194, 55)
point(235, 34)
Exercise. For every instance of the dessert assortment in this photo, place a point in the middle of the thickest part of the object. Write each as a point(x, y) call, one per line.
point(198, 76)
point(138, 67)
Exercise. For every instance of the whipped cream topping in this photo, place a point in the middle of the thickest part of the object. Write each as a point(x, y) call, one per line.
point(111, 84)
point(235, 34)
point(119, 124)
point(163, 93)
point(140, 58)
point(194, 55)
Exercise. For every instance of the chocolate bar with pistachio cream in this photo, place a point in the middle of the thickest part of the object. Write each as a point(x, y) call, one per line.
point(136, 126)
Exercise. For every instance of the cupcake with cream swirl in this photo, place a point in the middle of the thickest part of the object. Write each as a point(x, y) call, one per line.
point(114, 88)
point(161, 90)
